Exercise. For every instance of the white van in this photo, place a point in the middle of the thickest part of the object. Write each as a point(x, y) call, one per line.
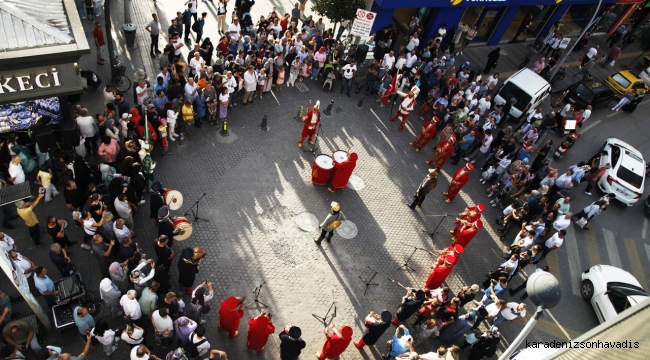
point(528, 88)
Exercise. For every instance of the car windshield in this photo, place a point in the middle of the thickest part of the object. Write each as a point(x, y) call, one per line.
point(618, 294)
point(510, 90)
point(626, 174)
point(621, 80)
point(584, 92)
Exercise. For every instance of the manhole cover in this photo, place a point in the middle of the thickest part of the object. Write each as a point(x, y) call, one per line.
point(307, 221)
point(347, 230)
point(356, 183)
point(301, 87)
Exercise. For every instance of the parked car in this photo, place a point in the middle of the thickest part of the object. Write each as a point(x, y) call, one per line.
point(645, 75)
point(624, 81)
point(626, 177)
point(527, 88)
point(610, 290)
point(596, 95)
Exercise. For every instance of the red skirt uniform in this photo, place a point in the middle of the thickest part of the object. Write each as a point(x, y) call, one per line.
point(259, 330)
point(229, 316)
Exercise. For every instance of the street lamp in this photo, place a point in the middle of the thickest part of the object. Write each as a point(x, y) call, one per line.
point(544, 291)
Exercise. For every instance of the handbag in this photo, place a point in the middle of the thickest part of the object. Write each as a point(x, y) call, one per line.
point(581, 222)
point(611, 63)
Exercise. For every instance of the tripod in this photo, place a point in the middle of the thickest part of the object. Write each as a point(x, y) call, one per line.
point(256, 300)
point(319, 132)
point(196, 214)
point(327, 317)
point(406, 263)
point(369, 281)
point(435, 230)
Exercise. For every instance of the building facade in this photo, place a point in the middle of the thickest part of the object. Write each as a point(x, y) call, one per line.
point(500, 20)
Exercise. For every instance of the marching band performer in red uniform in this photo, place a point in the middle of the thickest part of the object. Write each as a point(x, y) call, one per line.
point(467, 233)
point(443, 152)
point(230, 312)
point(452, 250)
point(440, 273)
point(406, 106)
point(428, 131)
point(259, 330)
point(342, 172)
point(457, 182)
point(336, 343)
point(471, 214)
point(311, 120)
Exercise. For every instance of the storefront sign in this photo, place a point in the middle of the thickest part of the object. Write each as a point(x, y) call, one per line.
point(19, 85)
point(363, 23)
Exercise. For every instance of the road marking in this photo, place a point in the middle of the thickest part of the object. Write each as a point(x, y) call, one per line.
point(613, 114)
point(592, 248)
point(553, 262)
point(635, 262)
point(647, 250)
point(590, 126)
point(645, 227)
point(276, 99)
point(574, 261)
point(612, 250)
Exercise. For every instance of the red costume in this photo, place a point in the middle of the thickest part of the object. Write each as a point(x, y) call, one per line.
point(467, 233)
point(428, 131)
point(336, 342)
point(442, 153)
point(440, 273)
point(310, 124)
point(258, 332)
point(406, 106)
point(342, 172)
point(140, 128)
point(471, 214)
point(452, 250)
point(229, 316)
point(458, 181)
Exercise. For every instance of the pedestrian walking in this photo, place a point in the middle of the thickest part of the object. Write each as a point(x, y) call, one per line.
point(593, 176)
point(584, 216)
point(610, 59)
point(331, 222)
point(429, 183)
point(532, 52)
point(492, 59)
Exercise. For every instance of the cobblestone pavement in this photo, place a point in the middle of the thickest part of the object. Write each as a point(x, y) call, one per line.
point(256, 182)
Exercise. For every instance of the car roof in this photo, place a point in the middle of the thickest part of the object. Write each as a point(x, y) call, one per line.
point(632, 76)
point(613, 274)
point(621, 143)
point(631, 163)
point(526, 78)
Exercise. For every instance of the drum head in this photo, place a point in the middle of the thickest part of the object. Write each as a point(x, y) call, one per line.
point(173, 199)
point(340, 155)
point(324, 161)
point(182, 228)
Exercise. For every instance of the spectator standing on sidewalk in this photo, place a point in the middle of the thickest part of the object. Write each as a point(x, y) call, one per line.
point(469, 37)
point(98, 35)
point(222, 10)
point(187, 20)
point(591, 54)
point(154, 29)
point(26, 212)
point(200, 25)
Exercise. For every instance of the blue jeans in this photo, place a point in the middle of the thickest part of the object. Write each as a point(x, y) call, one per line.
point(346, 83)
point(498, 320)
point(314, 73)
point(115, 308)
point(233, 98)
point(9, 211)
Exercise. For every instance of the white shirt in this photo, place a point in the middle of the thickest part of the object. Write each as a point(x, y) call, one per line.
point(563, 180)
point(23, 264)
point(196, 64)
point(224, 98)
point(131, 307)
point(137, 334)
point(586, 114)
point(194, 6)
point(16, 172)
point(389, 61)
point(534, 115)
point(592, 52)
point(511, 313)
point(348, 71)
point(400, 63)
point(134, 355)
point(485, 147)
point(231, 84)
point(177, 50)
point(561, 223)
point(431, 356)
point(108, 96)
point(410, 60)
point(483, 105)
point(162, 324)
point(555, 240)
point(122, 207)
point(442, 32)
point(166, 78)
point(7, 244)
point(413, 43)
point(234, 31)
point(524, 242)
point(107, 338)
point(141, 99)
point(250, 81)
point(122, 233)
point(203, 348)
point(189, 92)
point(86, 125)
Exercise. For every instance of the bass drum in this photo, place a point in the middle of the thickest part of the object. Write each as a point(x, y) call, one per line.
point(321, 170)
point(173, 199)
point(182, 228)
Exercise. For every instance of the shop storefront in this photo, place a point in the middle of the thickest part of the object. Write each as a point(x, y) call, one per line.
point(40, 46)
point(500, 21)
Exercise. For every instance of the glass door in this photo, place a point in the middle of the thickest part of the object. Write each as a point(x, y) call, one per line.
point(487, 22)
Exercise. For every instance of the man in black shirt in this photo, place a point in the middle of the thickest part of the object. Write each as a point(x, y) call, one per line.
point(371, 79)
point(174, 90)
point(164, 254)
point(74, 197)
point(122, 103)
point(169, 302)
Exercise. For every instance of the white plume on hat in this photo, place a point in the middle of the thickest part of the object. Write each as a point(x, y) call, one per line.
point(317, 104)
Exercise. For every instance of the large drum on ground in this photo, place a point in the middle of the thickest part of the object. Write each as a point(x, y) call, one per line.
point(340, 155)
point(321, 170)
point(182, 228)
point(173, 199)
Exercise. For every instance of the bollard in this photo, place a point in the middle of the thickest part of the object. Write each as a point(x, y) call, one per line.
point(300, 113)
point(360, 103)
point(263, 124)
point(328, 110)
point(224, 128)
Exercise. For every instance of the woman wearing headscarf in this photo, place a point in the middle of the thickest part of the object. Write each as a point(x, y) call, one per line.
point(493, 57)
point(400, 345)
point(260, 327)
point(81, 172)
point(107, 174)
point(119, 274)
point(111, 294)
point(336, 342)
point(230, 313)
point(138, 182)
point(209, 49)
point(184, 326)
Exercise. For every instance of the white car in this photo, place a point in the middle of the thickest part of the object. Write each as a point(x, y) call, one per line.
point(626, 177)
point(645, 75)
point(610, 290)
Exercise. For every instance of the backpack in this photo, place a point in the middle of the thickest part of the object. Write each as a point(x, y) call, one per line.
point(191, 348)
point(195, 26)
point(89, 3)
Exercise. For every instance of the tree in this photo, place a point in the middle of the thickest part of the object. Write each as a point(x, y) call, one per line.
point(109, 39)
point(338, 10)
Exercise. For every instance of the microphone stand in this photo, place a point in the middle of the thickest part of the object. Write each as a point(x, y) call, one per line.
point(369, 281)
point(196, 214)
point(324, 319)
point(406, 263)
point(435, 230)
point(315, 147)
point(256, 292)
